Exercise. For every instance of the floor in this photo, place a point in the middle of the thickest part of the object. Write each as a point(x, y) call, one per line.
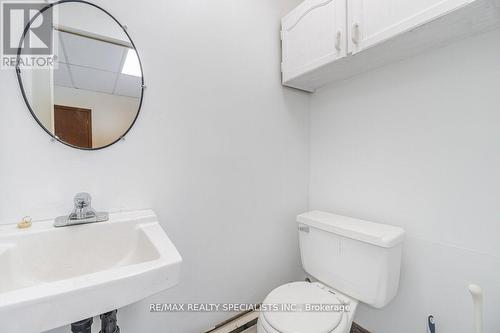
point(355, 329)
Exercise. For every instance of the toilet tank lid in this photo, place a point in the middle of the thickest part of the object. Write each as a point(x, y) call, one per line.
point(382, 235)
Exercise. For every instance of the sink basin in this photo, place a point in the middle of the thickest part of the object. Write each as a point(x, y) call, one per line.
point(50, 277)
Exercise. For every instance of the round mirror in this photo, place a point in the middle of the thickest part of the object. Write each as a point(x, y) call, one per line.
point(88, 92)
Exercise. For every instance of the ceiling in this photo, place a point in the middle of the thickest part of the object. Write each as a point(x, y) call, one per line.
point(95, 65)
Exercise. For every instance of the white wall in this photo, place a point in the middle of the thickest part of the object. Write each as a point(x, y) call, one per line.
point(219, 152)
point(111, 114)
point(416, 144)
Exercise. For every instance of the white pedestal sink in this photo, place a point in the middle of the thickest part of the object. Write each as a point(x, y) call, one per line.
point(50, 277)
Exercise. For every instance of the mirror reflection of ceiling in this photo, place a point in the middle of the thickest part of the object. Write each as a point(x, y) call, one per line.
point(96, 65)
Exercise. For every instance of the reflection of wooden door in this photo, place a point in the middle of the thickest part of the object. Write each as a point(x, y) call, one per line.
point(73, 125)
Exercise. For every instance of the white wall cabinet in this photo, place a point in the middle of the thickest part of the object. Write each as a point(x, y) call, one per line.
point(312, 35)
point(372, 22)
point(328, 40)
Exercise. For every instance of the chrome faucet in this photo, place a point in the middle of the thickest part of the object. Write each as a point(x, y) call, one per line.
point(82, 214)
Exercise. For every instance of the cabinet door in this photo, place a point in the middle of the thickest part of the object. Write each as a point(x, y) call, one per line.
point(313, 34)
point(371, 22)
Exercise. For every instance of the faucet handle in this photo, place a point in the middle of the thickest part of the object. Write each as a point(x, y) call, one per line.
point(82, 200)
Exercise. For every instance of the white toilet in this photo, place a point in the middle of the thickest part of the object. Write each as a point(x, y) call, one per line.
point(353, 260)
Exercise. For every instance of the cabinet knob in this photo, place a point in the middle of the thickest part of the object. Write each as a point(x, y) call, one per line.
point(338, 40)
point(355, 33)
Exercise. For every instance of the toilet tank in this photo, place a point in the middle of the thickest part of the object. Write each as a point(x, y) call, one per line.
point(358, 258)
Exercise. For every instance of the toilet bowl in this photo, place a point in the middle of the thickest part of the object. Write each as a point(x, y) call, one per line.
point(353, 260)
point(335, 315)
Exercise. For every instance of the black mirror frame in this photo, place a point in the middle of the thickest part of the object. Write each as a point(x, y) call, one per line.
point(19, 79)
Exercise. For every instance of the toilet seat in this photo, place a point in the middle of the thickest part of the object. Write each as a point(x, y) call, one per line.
point(300, 294)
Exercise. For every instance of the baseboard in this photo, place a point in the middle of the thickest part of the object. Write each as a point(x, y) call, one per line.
point(236, 324)
point(248, 319)
point(355, 328)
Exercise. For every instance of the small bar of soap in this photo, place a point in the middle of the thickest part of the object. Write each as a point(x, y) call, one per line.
point(25, 223)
